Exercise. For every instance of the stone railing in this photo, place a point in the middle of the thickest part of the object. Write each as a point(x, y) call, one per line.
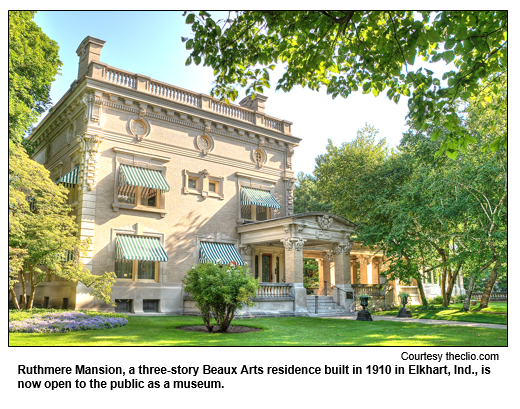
point(273, 123)
point(374, 290)
point(498, 296)
point(119, 77)
point(274, 290)
point(138, 82)
point(232, 111)
point(174, 93)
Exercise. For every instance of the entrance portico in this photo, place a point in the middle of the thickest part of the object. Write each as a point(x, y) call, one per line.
point(274, 249)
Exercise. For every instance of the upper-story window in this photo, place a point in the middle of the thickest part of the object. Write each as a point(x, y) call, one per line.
point(141, 186)
point(257, 204)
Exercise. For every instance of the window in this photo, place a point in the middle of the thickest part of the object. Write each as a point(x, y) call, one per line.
point(259, 157)
point(140, 187)
point(138, 257)
point(204, 184)
point(138, 128)
point(256, 204)
point(124, 305)
point(150, 305)
point(137, 270)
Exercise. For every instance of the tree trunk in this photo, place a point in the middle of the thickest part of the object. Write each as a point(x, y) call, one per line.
point(421, 292)
point(33, 290)
point(447, 294)
point(13, 296)
point(24, 300)
point(486, 295)
point(469, 291)
point(471, 285)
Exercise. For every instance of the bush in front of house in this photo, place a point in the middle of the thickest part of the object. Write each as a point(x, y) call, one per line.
point(66, 322)
point(220, 291)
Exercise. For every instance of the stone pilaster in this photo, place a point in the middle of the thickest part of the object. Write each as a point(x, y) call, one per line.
point(342, 273)
point(294, 271)
point(86, 212)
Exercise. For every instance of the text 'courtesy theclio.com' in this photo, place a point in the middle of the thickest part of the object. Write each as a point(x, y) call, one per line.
point(445, 364)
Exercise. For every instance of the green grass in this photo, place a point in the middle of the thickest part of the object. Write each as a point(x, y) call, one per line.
point(161, 331)
point(454, 313)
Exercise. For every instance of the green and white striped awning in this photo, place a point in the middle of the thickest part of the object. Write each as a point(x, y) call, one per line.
point(140, 248)
point(71, 178)
point(250, 196)
point(219, 253)
point(135, 176)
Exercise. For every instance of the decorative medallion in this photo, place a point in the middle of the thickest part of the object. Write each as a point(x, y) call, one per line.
point(139, 127)
point(205, 143)
point(259, 157)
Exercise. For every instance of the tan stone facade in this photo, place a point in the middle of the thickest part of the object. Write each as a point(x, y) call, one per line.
point(207, 152)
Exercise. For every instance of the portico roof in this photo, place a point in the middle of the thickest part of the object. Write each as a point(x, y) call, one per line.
point(319, 230)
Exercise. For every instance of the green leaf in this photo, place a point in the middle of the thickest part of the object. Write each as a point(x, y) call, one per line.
point(190, 19)
point(435, 135)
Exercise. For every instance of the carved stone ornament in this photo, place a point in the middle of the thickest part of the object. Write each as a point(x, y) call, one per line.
point(204, 143)
point(365, 259)
point(93, 103)
point(293, 243)
point(342, 248)
point(247, 249)
point(324, 222)
point(329, 256)
point(139, 127)
point(88, 147)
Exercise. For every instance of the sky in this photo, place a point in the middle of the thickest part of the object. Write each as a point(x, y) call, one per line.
point(149, 43)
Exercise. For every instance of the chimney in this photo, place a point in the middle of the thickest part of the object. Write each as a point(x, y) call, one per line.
point(89, 50)
point(257, 104)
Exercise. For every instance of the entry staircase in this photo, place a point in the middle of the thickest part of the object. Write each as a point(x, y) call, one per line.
point(324, 306)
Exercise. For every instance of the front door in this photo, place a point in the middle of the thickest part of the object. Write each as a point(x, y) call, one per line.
point(266, 268)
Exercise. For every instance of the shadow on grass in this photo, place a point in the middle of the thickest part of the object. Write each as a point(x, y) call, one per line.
point(301, 331)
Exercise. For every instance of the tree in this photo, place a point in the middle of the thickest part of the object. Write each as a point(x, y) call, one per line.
point(338, 172)
point(33, 65)
point(42, 233)
point(344, 51)
point(220, 291)
point(307, 197)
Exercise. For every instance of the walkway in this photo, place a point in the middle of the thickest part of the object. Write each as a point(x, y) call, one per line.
point(425, 321)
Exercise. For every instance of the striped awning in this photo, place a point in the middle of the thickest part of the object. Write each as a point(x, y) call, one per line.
point(219, 253)
point(250, 196)
point(71, 178)
point(135, 176)
point(140, 248)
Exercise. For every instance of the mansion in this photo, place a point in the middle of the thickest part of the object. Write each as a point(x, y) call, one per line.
point(161, 178)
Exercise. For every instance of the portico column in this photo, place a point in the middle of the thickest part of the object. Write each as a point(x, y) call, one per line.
point(342, 272)
point(375, 270)
point(321, 278)
point(294, 271)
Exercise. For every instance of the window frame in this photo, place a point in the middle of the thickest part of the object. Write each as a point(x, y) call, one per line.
point(203, 179)
point(145, 161)
point(139, 230)
point(135, 273)
point(253, 185)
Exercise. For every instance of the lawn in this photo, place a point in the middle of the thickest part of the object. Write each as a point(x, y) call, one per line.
point(302, 331)
point(455, 313)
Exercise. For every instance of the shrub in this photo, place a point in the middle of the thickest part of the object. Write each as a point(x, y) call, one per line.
point(459, 298)
point(435, 300)
point(220, 291)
